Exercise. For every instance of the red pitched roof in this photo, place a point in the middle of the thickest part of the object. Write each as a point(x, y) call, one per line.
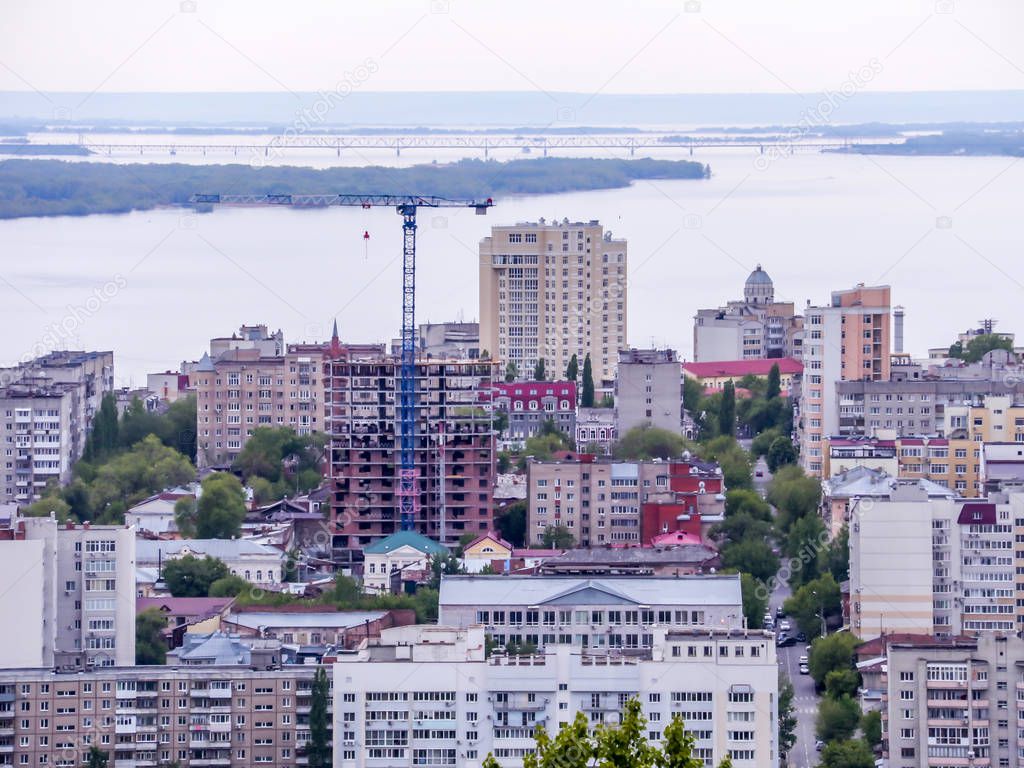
point(527, 391)
point(977, 513)
point(185, 606)
point(787, 365)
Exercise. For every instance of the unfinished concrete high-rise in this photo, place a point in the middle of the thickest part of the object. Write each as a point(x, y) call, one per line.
point(455, 448)
point(549, 291)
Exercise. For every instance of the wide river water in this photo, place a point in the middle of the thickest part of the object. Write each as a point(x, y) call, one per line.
point(154, 286)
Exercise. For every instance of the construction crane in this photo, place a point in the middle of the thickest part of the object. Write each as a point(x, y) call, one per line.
point(405, 206)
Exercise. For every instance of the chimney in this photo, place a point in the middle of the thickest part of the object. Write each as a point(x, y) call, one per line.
point(897, 320)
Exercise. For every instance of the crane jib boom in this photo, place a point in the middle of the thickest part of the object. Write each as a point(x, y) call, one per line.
point(405, 205)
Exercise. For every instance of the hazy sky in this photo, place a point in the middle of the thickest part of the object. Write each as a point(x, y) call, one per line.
point(567, 45)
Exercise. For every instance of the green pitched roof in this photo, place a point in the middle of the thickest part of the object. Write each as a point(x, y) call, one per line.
point(405, 539)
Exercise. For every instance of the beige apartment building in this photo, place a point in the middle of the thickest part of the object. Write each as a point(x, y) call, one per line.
point(553, 290)
point(255, 380)
point(953, 701)
point(150, 716)
point(849, 340)
point(70, 600)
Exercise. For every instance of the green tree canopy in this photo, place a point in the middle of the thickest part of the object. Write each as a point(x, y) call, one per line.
point(755, 600)
point(572, 370)
point(318, 750)
point(780, 453)
point(538, 370)
point(978, 346)
point(837, 718)
point(221, 507)
point(587, 393)
point(787, 716)
point(835, 652)
point(734, 461)
point(228, 586)
point(511, 372)
point(806, 604)
point(847, 753)
point(753, 556)
point(150, 647)
point(511, 523)
point(190, 576)
point(743, 501)
point(645, 442)
point(774, 386)
point(871, 727)
point(557, 537)
point(276, 461)
point(727, 410)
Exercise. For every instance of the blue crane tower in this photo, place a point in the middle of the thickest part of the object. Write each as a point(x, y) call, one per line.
point(405, 206)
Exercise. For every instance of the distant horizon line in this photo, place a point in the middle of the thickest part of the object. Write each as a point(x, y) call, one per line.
point(477, 92)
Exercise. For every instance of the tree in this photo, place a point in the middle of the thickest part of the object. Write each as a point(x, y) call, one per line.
point(809, 603)
point(780, 452)
point(837, 558)
point(678, 746)
point(793, 494)
point(572, 746)
point(755, 602)
point(850, 753)
point(558, 537)
point(774, 383)
point(837, 718)
point(538, 370)
point(103, 439)
point(572, 370)
point(763, 441)
point(743, 501)
point(51, 502)
point(727, 410)
point(753, 556)
point(787, 718)
point(511, 372)
point(98, 758)
point(871, 727)
point(221, 507)
point(150, 647)
point(587, 394)
point(276, 461)
point(607, 401)
point(625, 745)
point(693, 394)
point(228, 586)
point(978, 346)
point(511, 523)
point(443, 564)
point(190, 576)
point(649, 442)
point(842, 682)
point(835, 652)
point(734, 461)
point(805, 546)
point(318, 748)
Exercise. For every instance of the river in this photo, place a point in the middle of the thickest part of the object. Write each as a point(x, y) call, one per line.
point(154, 286)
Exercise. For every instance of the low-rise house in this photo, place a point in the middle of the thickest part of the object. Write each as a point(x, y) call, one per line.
point(314, 626)
point(217, 649)
point(596, 428)
point(256, 563)
point(396, 558)
point(200, 615)
point(529, 404)
point(156, 514)
point(484, 550)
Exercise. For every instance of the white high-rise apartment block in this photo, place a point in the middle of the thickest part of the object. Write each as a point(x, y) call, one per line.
point(430, 695)
point(937, 566)
point(550, 291)
point(70, 594)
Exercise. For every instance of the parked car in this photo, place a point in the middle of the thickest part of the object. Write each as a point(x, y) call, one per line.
point(784, 625)
point(779, 613)
point(804, 669)
point(802, 660)
point(819, 745)
point(784, 641)
point(801, 637)
point(758, 473)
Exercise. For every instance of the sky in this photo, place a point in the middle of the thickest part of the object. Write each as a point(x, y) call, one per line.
point(591, 46)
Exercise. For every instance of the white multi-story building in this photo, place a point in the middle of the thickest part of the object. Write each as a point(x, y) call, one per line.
point(595, 613)
point(46, 410)
point(430, 695)
point(933, 565)
point(69, 599)
point(254, 562)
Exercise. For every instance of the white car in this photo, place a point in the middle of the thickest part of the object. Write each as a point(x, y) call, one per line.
point(803, 660)
point(804, 669)
point(784, 626)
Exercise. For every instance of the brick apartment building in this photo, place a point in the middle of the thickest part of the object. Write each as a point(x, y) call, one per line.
point(602, 501)
point(189, 715)
point(455, 448)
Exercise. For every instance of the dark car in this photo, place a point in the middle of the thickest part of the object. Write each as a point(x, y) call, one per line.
point(784, 641)
point(801, 637)
point(779, 613)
